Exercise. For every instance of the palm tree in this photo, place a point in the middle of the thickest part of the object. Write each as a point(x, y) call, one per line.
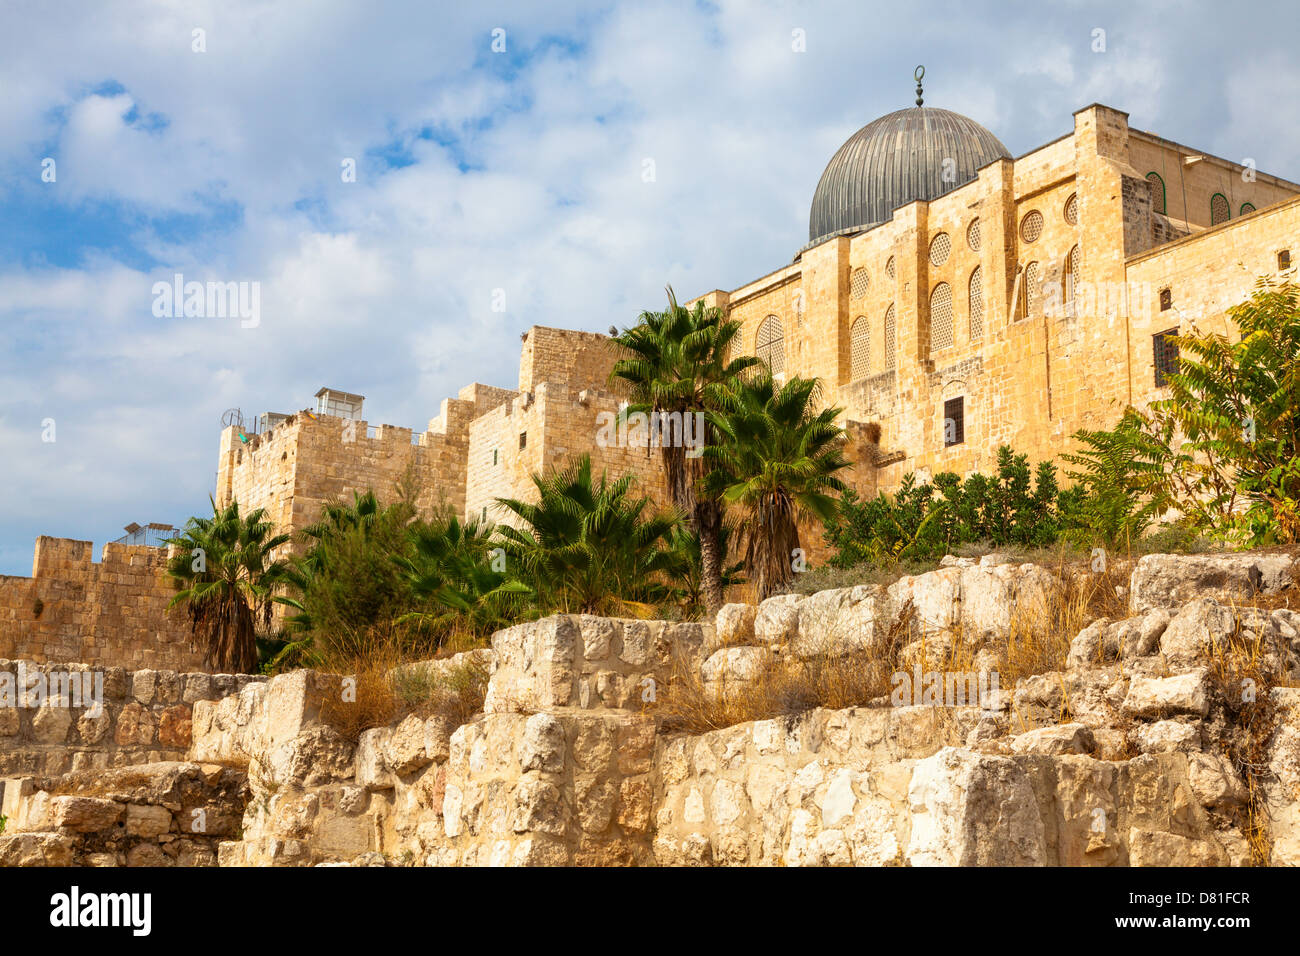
point(459, 582)
point(589, 548)
point(777, 459)
point(675, 362)
point(686, 574)
point(225, 575)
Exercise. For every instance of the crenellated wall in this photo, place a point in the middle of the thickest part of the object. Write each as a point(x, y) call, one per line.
point(111, 613)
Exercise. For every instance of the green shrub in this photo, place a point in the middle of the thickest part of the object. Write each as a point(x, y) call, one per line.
point(922, 522)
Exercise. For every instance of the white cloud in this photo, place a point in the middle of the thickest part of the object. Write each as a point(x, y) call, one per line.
point(384, 285)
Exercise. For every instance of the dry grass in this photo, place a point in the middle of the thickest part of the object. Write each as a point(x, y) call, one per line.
point(389, 687)
point(1244, 669)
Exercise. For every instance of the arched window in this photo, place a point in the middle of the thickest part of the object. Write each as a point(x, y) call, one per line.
point(770, 345)
point(889, 267)
point(1029, 291)
point(859, 282)
point(859, 349)
point(941, 317)
point(976, 305)
point(1072, 209)
point(1158, 198)
point(973, 236)
point(891, 339)
point(1220, 211)
point(1072, 274)
point(1246, 207)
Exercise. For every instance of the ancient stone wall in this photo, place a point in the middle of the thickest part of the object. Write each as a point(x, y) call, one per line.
point(1117, 760)
point(111, 613)
point(565, 356)
point(49, 723)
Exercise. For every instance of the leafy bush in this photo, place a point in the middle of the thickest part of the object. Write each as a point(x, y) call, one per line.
point(925, 521)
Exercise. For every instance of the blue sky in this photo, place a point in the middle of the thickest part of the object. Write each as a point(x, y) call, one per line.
point(476, 171)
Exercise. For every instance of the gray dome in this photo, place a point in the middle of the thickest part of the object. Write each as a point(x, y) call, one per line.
point(893, 161)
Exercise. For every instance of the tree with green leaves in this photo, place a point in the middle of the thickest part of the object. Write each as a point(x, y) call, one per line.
point(1237, 403)
point(349, 589)
point(588, 546)
point(1224, 448)
point(686, 573)
point(776, 459)
point(226, 576)
point(676, 362)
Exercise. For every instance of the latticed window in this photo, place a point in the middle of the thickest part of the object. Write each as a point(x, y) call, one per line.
point(1220, 211)
point(941, 317)
point(891, 339)
point(859, 349)
point(976, 305)
point(1072, 273)
point(939, 249)
point(1072, 209)
point(1246, 207)
point(770, 345)
point(1165, 353)
point(1031, 227)
point(859, 282)
point(973, 236)
point(889, 267)
point(1029, 294)
point(1158, 197)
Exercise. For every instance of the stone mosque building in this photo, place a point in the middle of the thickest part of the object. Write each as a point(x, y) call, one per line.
point(951, 297)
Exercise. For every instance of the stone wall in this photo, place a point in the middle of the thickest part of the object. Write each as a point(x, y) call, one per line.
point(110, 614)
point(880, 787)
point(565, 357)
point(145, 715)
point(1118, 759)
point(160, 814)
point(565, 766)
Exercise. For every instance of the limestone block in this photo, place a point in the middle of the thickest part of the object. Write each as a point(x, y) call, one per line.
point(734, 666)
point(1159, 848)
point(734, 624)
point(777, 619)
point(1159, 697)
point(84, 814)
point(136, 726)
point(973, 809)
point(404, 748)
point(36, 849)
point(1168, 736)
point(1173, 580)
point(147, 821)
point(543, 745)
point(935, 596)
point(371, 772)
point(50, 723)
point(1056, 740)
